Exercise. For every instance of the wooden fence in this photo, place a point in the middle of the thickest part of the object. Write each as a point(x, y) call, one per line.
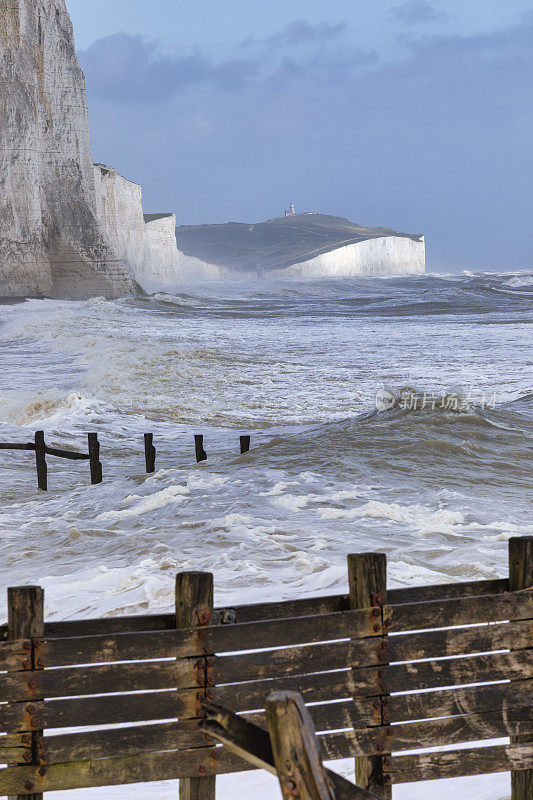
point(41, 450)
point(460, 655)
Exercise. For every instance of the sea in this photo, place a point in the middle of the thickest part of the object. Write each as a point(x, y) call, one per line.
point(391, 415)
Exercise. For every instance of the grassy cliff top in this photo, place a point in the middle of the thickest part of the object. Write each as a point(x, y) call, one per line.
point(274, 244)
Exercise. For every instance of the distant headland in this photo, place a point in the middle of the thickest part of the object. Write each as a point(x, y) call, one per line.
point(307, 245)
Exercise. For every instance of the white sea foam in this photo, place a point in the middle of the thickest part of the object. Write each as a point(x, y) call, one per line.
point(172, 494)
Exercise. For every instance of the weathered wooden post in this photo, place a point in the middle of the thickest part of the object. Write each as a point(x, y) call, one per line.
point(26, 621)
point(149, 452)
point(94, 458)
point(295, 749)
point(245, 444)
point(40, 461)
point(194, 607)
point(201, 455)
point(367, 578)
point(521, 577)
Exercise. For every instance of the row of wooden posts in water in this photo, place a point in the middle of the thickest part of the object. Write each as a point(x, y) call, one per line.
point(41, 450)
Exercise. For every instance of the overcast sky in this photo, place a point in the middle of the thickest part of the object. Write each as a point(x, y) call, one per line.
point(415, 114)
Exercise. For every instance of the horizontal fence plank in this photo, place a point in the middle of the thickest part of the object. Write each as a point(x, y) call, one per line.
point(123, 770)
point(189, 642)
point(296, 660)
point(461, 611)
point(366, 712)
point(340, 602)
point(15, 655)
point(105, 710)
point(430, 733)
point(211, 761)
point(184, 734)
point(358, 713)
point(15, 749)
point(454, 763)
point(300, 607)
point(371, 651)
point(102, 679)
point(445, 591)
point(137, 739)
point(460, 641)
point(370, 681)
point(470, 700)
point(319, 687)
point(260, 611)
point(108, 626)
point(363, 713)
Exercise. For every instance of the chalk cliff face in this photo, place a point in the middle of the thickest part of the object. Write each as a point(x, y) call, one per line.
point(51, 241)
point(385, 255)
point(145, 242)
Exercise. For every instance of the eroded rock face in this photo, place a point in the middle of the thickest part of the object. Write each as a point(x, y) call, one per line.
point(146, 242)
point(51, 242)
point(384, 255)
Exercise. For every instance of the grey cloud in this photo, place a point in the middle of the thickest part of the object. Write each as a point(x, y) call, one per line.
point(414, 11)
point(128, 68)
point(300, 31)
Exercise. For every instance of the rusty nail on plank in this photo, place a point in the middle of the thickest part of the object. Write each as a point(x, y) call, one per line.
point(30, 709)
point(26, 664)
point(42, 771)
point(376, 627)
point(26, 738)
point(376, 704)
point(27, 756)
point(376, 612)
point(28, 785)
point(39, 663)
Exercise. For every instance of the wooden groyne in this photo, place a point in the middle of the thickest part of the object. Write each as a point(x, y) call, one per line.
point(468, 646)
point(41, 450)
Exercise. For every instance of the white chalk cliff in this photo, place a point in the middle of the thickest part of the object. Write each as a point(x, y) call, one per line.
point(145, 242)
point(385, 255)
point(51, 240)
